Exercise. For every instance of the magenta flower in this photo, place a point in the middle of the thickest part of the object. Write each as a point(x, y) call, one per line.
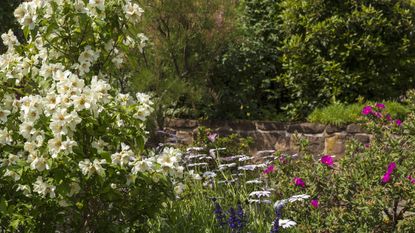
point(269, 169)
point(380, 106)
point(391, 167)
point(299, 182)
point(386, 178)
point(388, 117)
point(212, 137)
point(398, 122)
point(367, 145)
point(367, 110)
point(314, 203)
point(327, 160)
point(411, 179)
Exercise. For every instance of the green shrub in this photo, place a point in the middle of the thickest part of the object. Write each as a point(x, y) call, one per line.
point(339, 50)
point(342, 114)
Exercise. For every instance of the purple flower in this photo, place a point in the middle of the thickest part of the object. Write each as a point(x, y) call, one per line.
point(386, 178)
point(388, 117)
point(276, 223)
point(219, 214)
point(398, 122)
point(212, 137)
point(314, 203)
point(327, 160)
point(411, 179)
point(380, 105)
point(367, 145)
point(233, 220)
point(241, 217)
point(269, 169)
point(391, 167)
point(299, 182)
point(367, 110)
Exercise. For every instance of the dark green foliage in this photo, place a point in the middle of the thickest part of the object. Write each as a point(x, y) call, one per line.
point(242, 77)
point(7, 20)
point(340, 50)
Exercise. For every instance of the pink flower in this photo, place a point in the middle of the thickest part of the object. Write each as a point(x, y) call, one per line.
point(327, 160)
point(411, 179)
point(391, 167)
point(367, 110)
point(398, 122)
point(299, 182)
point(386, 178)
point(314, 203)
point(380, 106)
point(269, 169)
point(212, 137)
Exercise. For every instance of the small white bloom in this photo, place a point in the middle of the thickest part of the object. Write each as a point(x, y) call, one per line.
point(286, 223)
point(43, 188)
point(260, 194)
point(12, 174)
point(25, 189)
point(5, 137)
point(209, 174)
point(40, 164)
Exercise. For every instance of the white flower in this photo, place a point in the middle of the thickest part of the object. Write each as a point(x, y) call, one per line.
point(250, 167)
point(12, 174)
point(123, 157)
point(256, 181)
point(169, 158)
point(225, 166)
point(99, 4)
point(75, 188)
point(179, 188)
point(260, 194)
point(12, 159)
point(26, 129)
point(133, 12)
point(43, 188)
point(99, 145)
point(25, 189)
point(81, 102)
point(9, 39)
point(55, 145)
point(209, 174)
point(259, 201)
point(291, 199)
point(142, 166)
point(194, 175)
point(88, 168)
point(286, 223)
point(40, 164)
point(5, 137)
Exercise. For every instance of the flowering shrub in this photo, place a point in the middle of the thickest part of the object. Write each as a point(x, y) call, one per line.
point(72, 145)
point(369, 189)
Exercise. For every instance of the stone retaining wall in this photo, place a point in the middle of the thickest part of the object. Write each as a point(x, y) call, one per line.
point(267, 135)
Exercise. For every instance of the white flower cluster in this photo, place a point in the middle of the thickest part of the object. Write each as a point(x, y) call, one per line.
point(58, 91)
